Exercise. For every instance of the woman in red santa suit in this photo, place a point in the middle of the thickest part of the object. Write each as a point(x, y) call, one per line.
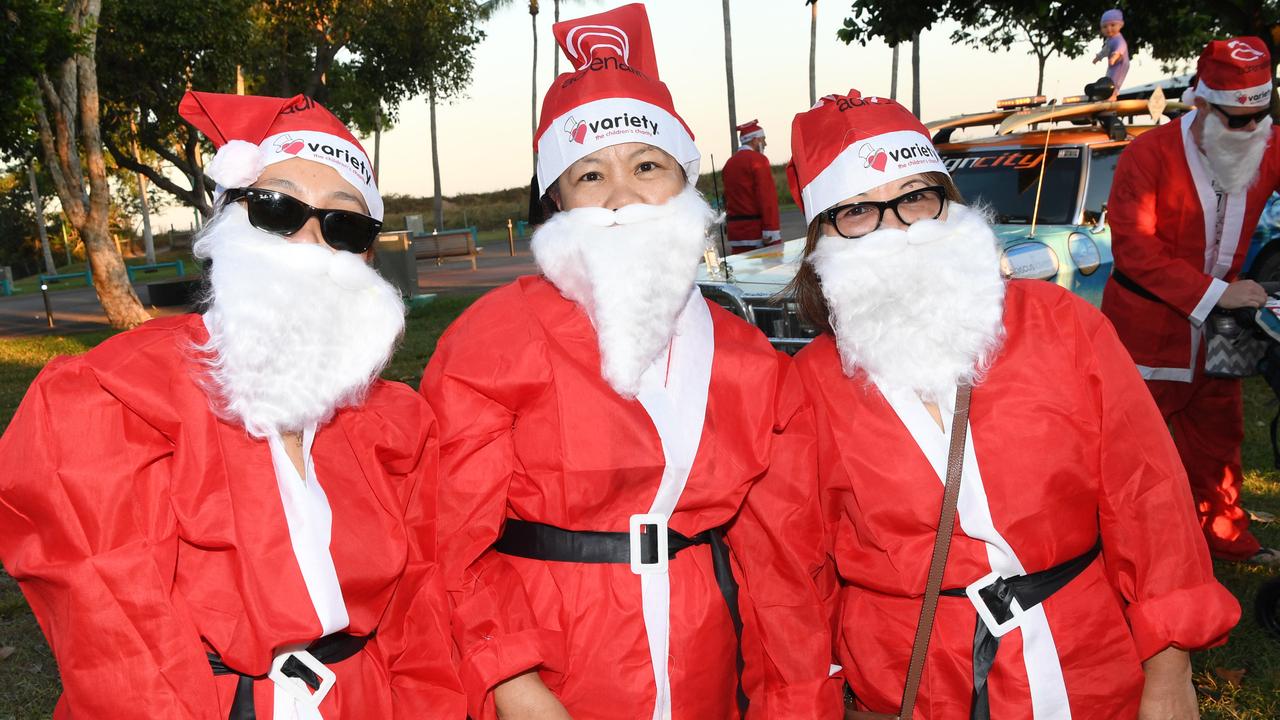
point(601, 426)
point(230, 515)
point(1075, 529)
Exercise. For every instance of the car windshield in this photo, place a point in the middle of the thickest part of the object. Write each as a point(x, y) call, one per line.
point(1005, 181)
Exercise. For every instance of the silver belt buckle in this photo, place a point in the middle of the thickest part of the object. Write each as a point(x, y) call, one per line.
point(997, 628)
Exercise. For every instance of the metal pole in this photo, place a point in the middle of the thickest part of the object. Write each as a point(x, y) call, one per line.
point(48, 309)
point(511, 237)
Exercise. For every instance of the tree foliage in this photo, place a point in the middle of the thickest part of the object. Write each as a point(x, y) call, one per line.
point(34, 36)
point(1048, 26)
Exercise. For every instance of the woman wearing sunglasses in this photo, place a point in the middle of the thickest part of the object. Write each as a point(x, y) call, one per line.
point(1076, 580)
point(230, 515)
point(605, 435)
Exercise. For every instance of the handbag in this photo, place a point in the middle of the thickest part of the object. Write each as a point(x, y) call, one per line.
point(1232, 348)
point(941, 547)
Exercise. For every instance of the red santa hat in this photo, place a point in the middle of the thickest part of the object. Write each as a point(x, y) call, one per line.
point(251, 132)
point(749, 130)
point(848, 144)
point(612, 96)
point(1235, 73)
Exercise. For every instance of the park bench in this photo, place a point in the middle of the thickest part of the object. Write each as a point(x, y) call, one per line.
point(459, 242)
point(86, 275)
point(153, 267)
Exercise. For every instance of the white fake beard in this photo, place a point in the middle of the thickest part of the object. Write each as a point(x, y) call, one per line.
point(632, 270)
point(296, 331)
point(920, 309)
point(1234, 155)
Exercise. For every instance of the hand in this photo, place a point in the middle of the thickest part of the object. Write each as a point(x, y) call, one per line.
point(524, 697)
point(1168, 693)
point(1243, 293)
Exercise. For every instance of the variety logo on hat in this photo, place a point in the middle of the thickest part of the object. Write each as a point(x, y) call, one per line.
point(613, 96)
point(849, 144)
point(1235, 73)
point(280, 129)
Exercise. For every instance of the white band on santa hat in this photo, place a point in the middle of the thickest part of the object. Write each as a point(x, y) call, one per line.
point(750, 136)
point(869, 164)
point(1256, 96)
point(239, 163)
point(612, 121)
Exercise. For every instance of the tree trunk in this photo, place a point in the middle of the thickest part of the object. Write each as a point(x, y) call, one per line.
point(728, 77)
point(533, 103)
point(1040, 78)
point(915, 74)
point(45, 250)
point(77, 94)
point(813, 54)
point(377, 141)
point(893, 79)
point(148, 241)
point(555, 55)
point(438, 200)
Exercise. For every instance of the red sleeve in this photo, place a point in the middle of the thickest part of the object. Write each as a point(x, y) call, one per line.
point(766, 194)
point(1138, 251)
point(1155, 554)
point(475, 390)
point(778, 541)
point(86, 530)
point(413, 635)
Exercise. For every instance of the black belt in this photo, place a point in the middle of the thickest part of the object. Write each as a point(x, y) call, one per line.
point(328, 650)
point(743, 218)
point(1128, 283)
point(538, 541)
point(1029, 590)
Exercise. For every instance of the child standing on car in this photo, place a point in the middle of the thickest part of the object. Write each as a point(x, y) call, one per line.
point(1114, 49)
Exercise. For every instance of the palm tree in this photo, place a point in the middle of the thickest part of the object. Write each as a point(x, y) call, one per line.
point(813, 51)
point(893, 80)
point(728, 73)
point(915, 73)
point(533, 19)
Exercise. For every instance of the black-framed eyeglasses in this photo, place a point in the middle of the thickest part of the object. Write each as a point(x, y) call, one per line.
point(279, 214)
point(1236, 122)
point(857, 219)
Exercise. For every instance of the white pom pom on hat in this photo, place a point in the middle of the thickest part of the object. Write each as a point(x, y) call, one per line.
point(236, 164)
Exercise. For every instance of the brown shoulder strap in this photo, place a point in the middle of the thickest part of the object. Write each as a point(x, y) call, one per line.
point(941, 547)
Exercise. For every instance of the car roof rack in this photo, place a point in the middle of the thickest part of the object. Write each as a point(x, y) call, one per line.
point(1085, 111)
point(942, 129)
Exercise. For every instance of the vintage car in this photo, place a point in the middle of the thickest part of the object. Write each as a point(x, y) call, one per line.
point(1044, 174)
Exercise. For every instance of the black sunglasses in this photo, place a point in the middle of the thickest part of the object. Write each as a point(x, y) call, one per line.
point(280, 214)
point(1235, 122)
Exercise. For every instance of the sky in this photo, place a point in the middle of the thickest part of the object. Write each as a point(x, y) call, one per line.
point(485, 136)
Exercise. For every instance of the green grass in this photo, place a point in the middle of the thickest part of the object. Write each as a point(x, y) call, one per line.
point(29, 680)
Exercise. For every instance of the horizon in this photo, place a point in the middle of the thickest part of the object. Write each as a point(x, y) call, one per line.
point(485, 138)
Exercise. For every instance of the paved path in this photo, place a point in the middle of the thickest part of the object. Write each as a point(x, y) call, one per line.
point(78, 310)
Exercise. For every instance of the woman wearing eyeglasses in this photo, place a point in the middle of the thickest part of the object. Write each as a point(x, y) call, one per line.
point(229, 514)
point(1076, 581)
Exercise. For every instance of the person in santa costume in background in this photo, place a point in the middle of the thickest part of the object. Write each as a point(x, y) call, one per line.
point(602, 424)
point(1185, 201)
point(1072, 500)
point(750, 197)
point(230, 515)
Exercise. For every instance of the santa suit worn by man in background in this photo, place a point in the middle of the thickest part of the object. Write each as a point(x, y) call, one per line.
point(229, 515)
point(1074, 523)
point(1184, 203)
point(605, 403)
point(750, 197)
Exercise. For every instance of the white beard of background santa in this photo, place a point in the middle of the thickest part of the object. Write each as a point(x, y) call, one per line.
point(632, 270)
point(918, 309)
point(296, 331)
point(1234, 156)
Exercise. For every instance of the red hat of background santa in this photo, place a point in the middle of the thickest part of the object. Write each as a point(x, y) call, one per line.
point(251, 132)
point(611, 96)
point(750, 130)
point(848, 144)
point(1235, 73)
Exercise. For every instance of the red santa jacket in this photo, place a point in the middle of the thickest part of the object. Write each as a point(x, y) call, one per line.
point(1163, 213)
point(145, 533)
point(750, 199)
point(530, 430)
